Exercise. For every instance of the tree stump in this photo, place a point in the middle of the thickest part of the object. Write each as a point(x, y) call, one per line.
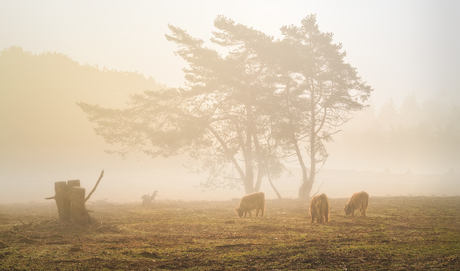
point(62, 197)
point(70, 200)
point(62, 201)
point(78, 213)
point(147, 200)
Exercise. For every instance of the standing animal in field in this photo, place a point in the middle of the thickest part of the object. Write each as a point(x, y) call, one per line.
point(359, 200)
point(250, 202)
point(319, 208)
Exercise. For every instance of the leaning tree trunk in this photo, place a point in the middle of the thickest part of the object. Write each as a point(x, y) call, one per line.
point(70, 201)
point(273, 186)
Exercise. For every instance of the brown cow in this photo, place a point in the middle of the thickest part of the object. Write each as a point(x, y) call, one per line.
point(359, 200)
point(251, 202)
point(319, 208)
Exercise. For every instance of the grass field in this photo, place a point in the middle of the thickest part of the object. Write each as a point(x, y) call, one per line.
point(400, 233)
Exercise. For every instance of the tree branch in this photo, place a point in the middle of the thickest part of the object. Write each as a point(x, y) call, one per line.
point(94, 189)
point(319, 187)
point(227, 152)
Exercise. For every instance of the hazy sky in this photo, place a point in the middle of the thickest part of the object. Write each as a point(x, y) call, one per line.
point(397, 46)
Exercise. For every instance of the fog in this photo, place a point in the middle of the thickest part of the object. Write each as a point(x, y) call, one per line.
point(407, 143)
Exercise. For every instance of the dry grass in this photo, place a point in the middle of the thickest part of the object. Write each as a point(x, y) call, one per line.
point(400, 233)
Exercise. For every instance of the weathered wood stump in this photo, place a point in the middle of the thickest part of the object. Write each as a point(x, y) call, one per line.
point(147, 200)
point(62, 196)
point(78, 213)
point(70, 200)
point(62, 201)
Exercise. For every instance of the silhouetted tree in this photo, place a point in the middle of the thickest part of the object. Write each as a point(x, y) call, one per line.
point(319, 92)
point(237, 109)
point(215, 118)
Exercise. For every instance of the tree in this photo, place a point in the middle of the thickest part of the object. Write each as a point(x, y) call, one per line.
point(216, 118)
point(244, 111)
point(318, 92)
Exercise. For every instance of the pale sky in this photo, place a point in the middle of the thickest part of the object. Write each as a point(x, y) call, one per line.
point(397, 46)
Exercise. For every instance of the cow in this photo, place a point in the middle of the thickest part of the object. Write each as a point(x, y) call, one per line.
point(250, 202)
point(359, 200)
point(319, 208)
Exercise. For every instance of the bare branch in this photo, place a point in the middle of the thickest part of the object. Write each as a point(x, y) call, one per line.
point(319, 187)
point(94, 189)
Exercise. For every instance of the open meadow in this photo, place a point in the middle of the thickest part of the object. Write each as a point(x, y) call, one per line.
point(399, 233)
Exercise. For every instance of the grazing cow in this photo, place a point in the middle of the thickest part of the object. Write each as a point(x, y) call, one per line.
point(319, 208)
point(359, 200)
point(251, 202)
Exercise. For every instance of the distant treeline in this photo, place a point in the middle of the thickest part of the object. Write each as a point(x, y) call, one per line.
point(423, 137)
point(341, 183)
point(41, 125)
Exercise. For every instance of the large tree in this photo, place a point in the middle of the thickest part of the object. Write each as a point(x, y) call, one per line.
point(241, 112)
point(318, 91)
point(217, 118)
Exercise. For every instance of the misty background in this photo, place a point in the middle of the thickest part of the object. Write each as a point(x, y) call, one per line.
point(54, 54)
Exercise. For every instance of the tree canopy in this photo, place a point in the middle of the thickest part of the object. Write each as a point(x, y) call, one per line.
point(242, 113)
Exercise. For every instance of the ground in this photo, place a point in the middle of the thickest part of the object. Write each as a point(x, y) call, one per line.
point(399, 233)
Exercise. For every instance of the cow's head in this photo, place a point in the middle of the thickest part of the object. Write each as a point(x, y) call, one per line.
point(239, 212)
point(347, 208)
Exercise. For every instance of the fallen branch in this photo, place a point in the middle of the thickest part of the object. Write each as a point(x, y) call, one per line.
point(94, 189)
